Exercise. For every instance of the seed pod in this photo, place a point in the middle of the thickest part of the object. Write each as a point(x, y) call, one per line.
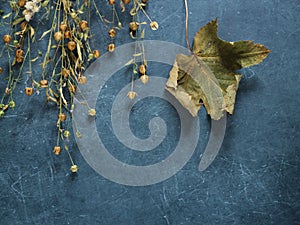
point(71, 45)
point(58, 36)
point(7, 38)
point(144, 78)
point(133, 26)
point(28, 91)
point(144, 1)
point(96, 53)
point(62, 117)
point(63, 27)
point(154, 25)
point(1, 70)
point(111, 47)
point(112, 33)
point(56, 150)
point(131, 95)
point(44, 83)
point(83, 25)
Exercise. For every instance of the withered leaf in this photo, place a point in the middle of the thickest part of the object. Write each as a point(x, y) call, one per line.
point(208, 74)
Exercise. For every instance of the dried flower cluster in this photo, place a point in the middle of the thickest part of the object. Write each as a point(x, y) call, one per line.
point(68, 52)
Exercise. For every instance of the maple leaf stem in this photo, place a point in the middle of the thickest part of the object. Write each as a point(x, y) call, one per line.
point(187, 25)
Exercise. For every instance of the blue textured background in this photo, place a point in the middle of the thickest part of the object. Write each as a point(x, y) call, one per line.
point(254, 180)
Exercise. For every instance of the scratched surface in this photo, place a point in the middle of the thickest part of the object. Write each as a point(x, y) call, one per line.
point(254, 180)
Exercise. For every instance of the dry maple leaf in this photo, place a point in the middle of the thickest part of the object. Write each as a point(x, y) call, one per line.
point(208, 74)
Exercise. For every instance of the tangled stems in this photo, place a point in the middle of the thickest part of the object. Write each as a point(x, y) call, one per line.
point(67, 54)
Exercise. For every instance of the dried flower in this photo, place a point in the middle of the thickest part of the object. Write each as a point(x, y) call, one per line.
point(56, 150)
point(96, 53)
point(154, 25)
point(144, 78)
point(74, 168)
point(111, 47)
point(28, 91)
point(131, 95)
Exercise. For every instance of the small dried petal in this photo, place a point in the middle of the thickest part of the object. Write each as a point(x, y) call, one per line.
point(126, 1)
point(1, 70)
point(131, 95)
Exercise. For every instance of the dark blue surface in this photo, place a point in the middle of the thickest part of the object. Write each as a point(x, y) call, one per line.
point(254, 180)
